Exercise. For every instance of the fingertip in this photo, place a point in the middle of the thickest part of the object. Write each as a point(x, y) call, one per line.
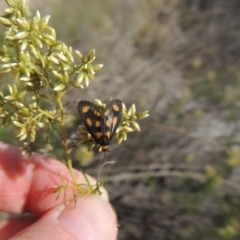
point(92, 218)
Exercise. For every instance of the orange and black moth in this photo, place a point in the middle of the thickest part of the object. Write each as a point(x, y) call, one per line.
point(101, 123)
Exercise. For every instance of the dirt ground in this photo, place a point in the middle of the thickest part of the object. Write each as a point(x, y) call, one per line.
point(179, 177)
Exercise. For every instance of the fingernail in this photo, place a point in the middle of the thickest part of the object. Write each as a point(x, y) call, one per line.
point(91, 219)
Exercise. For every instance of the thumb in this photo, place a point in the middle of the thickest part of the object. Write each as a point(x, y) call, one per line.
point(92, 218)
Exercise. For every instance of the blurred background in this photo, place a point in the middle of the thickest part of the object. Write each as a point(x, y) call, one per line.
point(179, 177)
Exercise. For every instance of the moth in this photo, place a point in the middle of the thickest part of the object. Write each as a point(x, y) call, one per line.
point(101, 123)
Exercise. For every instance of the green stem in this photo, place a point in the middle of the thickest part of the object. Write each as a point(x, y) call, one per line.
point(63, 129)
point(64, 136)
point(44, 113)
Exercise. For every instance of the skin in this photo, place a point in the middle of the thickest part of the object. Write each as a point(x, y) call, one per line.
point(26, 189)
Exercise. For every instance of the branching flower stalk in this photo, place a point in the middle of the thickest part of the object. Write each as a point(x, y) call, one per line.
point(39, 69)
point(42, 67)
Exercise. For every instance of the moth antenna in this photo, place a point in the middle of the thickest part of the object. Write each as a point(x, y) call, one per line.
point(102, 164)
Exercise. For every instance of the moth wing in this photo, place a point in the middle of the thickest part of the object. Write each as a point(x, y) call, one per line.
point(91, 117)
point(112, 116)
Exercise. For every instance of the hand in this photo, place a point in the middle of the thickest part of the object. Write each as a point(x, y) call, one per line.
point(26, 186)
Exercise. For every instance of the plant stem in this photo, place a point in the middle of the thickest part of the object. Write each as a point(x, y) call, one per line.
point(64, 137)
